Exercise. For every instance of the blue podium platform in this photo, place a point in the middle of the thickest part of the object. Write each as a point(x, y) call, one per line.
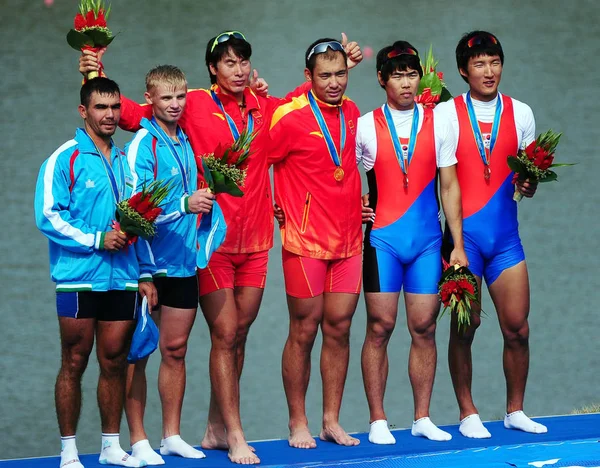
point(571, 441)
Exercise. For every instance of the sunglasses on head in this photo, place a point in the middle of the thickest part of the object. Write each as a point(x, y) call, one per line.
point(405, 51)
point(225, 36)
point(323, 46)
point(481, 38)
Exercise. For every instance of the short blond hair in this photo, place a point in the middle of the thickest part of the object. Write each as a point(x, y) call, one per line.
point(165, 74)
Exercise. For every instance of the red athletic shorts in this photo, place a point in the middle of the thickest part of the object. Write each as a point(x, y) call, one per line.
point(310, 277)
point(229, 270)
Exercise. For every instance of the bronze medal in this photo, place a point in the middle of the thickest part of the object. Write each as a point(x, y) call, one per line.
point(338, 174)
point(487, 172)
point(405, 181)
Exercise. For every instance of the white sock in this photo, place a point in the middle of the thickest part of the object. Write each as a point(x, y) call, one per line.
point(69, 456)
point(519, 420)
point(143, 451)
point(472, 427)
point(425, 428)
point(175, 445)
point(379, 433)
point(113, 454)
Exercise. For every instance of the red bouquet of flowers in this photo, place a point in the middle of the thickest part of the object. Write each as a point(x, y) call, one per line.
point(458, 292)
point(90, 29)
point(535, 161)
point(432, 89)
point(225, 170)
point(136, 215)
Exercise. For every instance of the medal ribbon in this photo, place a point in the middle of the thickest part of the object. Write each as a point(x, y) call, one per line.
point(232, 128)
point(477, 131)
point(333, 152)
point(403, 158)
point(184, 171)
point(110, 173)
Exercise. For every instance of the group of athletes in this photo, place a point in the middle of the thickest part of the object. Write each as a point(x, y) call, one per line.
point(315, 139)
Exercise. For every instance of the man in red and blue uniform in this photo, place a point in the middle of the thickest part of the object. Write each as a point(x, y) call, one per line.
point(490, 127)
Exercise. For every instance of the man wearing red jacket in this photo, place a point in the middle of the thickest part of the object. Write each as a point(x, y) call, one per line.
point(317, 185)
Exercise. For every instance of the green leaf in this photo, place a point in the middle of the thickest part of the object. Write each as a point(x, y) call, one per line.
point(516, 165)
point(99, 38)
point(77, 40)
point(446, 95)
point(551, 176)
point(233, 189)
point(562, 164)
point(207, 174)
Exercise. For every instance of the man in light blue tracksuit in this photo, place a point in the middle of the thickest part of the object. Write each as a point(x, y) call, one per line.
point(160, 150)
point(97, 277)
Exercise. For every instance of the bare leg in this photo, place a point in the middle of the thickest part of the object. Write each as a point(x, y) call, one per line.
point(382, 310)
point(460, 363)
point(220, 311)
point(421, 313)
point(77, 340)
point(305, 316)
point(510, 293)
point(135, 400)
point(247, 301)
point(175, 327)
point(335, 354)
point(112, 346)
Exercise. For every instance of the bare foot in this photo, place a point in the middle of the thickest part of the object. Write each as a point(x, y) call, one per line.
point(300, 438)
point(215, 438)
point(335, 433)
point(242, 453)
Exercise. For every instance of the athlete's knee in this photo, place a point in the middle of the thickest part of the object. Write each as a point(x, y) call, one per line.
point(380, 330)
point(303, 332)
point(74, 362)
point(516, 333)
point(464, 335)
point(338, 330)
point(174, 349)
point(422, 329)
point(112, 365)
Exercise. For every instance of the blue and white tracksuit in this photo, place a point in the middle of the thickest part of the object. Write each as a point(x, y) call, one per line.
point(74, 207)
point(151, 157)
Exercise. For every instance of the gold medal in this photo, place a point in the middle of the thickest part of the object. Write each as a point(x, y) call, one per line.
point(338, 174)
point(487, 172)
point(405, 181)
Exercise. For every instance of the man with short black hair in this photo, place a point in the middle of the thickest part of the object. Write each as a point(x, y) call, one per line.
point(317, 186)
point(403, 146)
point(489, 127)
point(97, 278)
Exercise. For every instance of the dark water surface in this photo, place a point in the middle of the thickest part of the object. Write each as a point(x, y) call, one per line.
point(552, 49)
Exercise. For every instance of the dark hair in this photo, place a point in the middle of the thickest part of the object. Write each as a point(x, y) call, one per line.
point(99, 85)
point(487, 44)
point(329, 54)
point(239, 47)
point(403, 62)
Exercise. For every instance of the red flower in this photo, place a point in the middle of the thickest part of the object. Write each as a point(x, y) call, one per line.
point(219, 151)
point(440, 75)
point(101, 21)
point(152, 214)
point(530, 151)
point(466, 286)
point(233, 156)
point(135, 200)
point(427, 99)
point(543, 159)
point(79, 22)
point(90, 19)
point(144, 206)
point(446, 292)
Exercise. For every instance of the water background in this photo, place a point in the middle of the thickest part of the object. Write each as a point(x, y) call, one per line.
point(552, 51)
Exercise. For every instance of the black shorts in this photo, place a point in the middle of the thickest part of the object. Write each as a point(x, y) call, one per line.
point(107, 306)
point(179, 293)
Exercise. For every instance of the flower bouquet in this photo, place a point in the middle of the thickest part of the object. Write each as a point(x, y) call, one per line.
point(225, 170)
point(458, 292)
point(535, 161)
point(90, 31)
point(432, 89)
point(136, 215)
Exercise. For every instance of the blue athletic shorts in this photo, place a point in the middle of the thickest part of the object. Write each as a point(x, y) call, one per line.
point(105, 306)
point(383, 271)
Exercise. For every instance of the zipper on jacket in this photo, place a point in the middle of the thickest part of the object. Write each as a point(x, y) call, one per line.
point(305, 213)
